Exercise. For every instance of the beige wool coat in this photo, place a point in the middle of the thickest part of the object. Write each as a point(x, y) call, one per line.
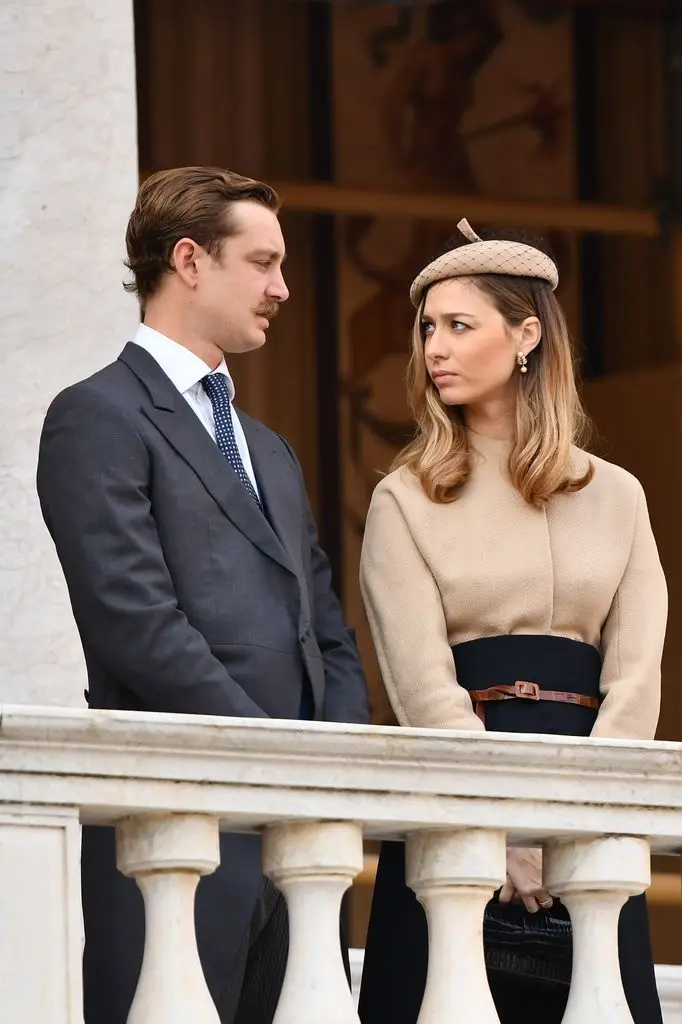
point(585, 567)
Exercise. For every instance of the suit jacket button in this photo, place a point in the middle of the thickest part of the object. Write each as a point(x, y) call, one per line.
point(305, 636)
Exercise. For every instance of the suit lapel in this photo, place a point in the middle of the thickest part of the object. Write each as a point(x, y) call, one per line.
point(171, 415)
point(279, 487)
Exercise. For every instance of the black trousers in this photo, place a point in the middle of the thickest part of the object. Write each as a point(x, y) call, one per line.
point(253, 991)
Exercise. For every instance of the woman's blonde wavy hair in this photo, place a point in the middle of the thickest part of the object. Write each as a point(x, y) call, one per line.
point(549, 415)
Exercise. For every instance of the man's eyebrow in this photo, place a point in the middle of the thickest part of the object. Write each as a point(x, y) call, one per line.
point(271, 254)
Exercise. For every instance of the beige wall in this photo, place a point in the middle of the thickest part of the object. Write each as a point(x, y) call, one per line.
point(68, 177)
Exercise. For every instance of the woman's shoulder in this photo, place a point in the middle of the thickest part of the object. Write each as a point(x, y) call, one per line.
point(400, 487)
point(610, 483)
point(397, 481)
point(608, 477)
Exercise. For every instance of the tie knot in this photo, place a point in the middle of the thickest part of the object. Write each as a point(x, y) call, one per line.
point(217, 388)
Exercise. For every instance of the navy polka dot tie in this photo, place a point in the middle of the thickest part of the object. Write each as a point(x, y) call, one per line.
point(216, 387)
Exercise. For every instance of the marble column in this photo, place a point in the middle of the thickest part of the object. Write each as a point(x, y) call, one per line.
point(68, 175)
point(454, 874)
point(167, 854)
point(594, 877)
point(314, 863)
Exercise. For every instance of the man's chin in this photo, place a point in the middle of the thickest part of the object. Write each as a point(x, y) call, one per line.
point(246, 343)
point(242, 346)
point(258, 338)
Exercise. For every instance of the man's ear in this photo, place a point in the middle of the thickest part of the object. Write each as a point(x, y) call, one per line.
point(184, 260)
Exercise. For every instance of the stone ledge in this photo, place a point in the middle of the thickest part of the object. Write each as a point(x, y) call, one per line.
point(248, 773)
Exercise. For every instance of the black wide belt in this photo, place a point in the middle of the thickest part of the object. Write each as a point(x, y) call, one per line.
point(530, 670)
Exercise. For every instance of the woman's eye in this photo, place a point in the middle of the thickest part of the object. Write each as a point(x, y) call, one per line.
point(427, 329)
point(457, 325)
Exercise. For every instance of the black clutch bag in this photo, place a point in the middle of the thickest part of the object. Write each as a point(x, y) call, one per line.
point(534, 947)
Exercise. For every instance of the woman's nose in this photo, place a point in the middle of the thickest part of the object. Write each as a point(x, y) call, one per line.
point(434, 348)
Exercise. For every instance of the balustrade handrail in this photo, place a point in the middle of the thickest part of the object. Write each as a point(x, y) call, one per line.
point(256, 771)
point(170, 782)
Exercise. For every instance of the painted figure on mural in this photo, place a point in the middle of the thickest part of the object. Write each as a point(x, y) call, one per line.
point(433, 88)
point(490, 556)
point(196, 579)
point(434, 57)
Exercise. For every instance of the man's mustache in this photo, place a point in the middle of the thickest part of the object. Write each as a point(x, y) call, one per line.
point(268, 309)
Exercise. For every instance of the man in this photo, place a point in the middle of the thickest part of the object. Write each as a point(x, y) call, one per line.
point(191, 558)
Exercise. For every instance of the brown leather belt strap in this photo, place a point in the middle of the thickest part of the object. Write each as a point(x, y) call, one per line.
point(528, 691)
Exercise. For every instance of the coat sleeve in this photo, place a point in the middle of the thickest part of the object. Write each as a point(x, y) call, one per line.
point(408, 625)
point(93, 484)
point(632, 641)
point(346, 698)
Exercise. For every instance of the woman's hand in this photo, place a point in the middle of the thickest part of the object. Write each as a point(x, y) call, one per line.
point(524, 879)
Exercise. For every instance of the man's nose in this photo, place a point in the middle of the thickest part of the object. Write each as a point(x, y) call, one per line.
point(277, 289)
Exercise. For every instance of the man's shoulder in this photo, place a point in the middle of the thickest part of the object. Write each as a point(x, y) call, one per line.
point(99, 414)
point(109, 386)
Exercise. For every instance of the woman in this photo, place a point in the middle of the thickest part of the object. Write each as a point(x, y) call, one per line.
point(498, 550)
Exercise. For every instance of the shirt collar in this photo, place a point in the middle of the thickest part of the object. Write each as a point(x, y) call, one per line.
point(184, 368)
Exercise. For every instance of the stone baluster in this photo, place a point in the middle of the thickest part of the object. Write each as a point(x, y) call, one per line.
point(594, 878)
point(166, 855)
point(313, 864)
point(454, 874)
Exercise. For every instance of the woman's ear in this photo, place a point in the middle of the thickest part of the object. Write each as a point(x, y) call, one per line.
point(529, 335)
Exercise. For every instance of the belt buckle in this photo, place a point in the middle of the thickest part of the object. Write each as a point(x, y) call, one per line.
point(529, 691)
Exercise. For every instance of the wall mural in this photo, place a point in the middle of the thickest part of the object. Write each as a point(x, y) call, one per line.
point(464, 97)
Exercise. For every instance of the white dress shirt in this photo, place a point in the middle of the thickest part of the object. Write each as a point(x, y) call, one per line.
point(186, 371)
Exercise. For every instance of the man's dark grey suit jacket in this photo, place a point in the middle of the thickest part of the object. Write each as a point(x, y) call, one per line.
point(187, 599)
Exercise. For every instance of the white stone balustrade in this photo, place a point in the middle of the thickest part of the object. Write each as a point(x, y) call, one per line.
point(669, 981)
point(454, 874)
point(313, 864)
point(594, 878)
point(169, 783)
point(167, 854)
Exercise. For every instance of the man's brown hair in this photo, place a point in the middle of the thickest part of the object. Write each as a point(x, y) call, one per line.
point(184, 202)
